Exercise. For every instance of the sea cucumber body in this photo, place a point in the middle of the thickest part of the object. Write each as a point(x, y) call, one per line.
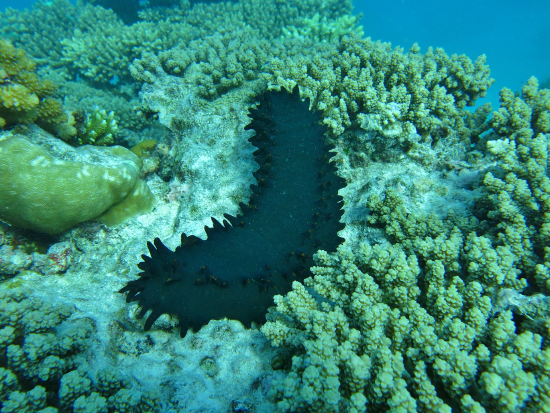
point(294, 211)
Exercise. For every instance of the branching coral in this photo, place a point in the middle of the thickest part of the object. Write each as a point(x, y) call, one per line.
point(369, 343)
point(433, 320)
point(24, 98)
point(436, 318)
point(520, 186)
point(82, 99)
point(354, 82)
point(89, 40)
point(218, 63)
point(34, 350)
point(38, 30)
point(323, 30)
point(269, 18)
point(530, 110)
point(41, 364)
point(102, 51)
point(98, 128)
point(382, 89)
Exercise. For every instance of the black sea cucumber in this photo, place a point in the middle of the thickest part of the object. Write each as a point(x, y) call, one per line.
point(295, 210)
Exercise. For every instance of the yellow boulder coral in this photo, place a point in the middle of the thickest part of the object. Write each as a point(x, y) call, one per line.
point(49, 186)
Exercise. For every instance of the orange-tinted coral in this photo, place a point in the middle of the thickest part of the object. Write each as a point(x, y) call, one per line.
point(25, 98)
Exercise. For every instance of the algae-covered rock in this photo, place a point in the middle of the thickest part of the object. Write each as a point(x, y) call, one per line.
point(49, 186)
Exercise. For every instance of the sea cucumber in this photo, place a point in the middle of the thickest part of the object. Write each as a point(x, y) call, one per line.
point(294, 211)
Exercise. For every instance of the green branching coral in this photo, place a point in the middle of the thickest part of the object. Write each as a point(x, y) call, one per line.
point(41, 344)
point(520, 187)
point(372, 342)
point(269, 18)
point(383, 89)
point(355, 82)
point(380, 319)
point(88, 40)
point(103, 51)
point(38, 30)
point(437, 318)
point(530, 110)
point(98, 129)
point(323, 30)
point(35, 349)
point(81, 99)
point(219, 62)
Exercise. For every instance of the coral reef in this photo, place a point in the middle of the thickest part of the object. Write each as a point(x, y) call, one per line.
point(376, 346)
point(519, 203)
point(530, 110)
point(382, 89)
point(269, 18)
point(38, 347)
point(50, 186)
point(103, 51)
point(355, 82)
point(42, 368)
point(216, 64)
point(127, 10)
point(39, 29)
point(24, 98)
point(82, 99)
point(434, 319)
point(437, 301)
point(16, 257)
point(62, 33)
point(294, 210)
point(98, 129)
point(321, 29)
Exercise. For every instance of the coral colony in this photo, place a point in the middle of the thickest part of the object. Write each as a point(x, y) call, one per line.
point(326, 223)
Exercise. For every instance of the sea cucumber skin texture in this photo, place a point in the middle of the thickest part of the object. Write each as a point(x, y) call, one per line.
point(294, 211)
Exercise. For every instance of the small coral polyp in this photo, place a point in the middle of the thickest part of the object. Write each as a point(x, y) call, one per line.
point(98, 129)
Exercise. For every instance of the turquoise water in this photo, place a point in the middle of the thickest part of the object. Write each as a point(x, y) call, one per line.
point(514, 35)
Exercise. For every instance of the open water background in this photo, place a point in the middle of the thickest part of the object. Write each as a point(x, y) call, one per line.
point(513, 34)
